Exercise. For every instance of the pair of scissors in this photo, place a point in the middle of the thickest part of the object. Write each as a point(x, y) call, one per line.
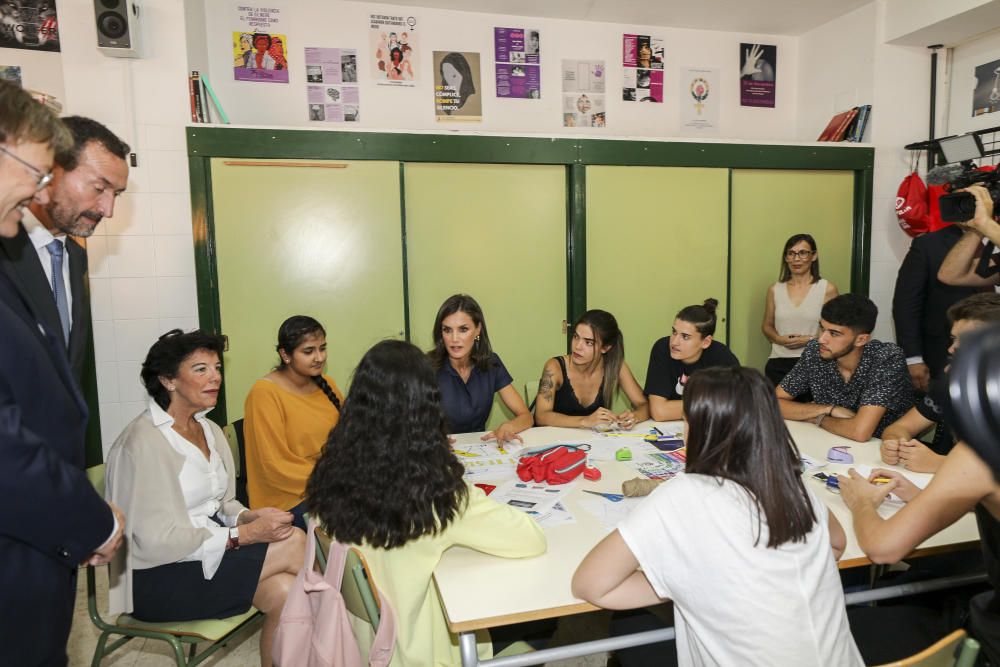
point(613, 497)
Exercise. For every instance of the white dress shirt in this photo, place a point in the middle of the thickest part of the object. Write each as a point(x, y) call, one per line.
point(41, 237)
point(203, 484)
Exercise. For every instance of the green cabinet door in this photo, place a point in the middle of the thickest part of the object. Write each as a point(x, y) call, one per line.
point(768, 207)
point(318, 239)
point(498, 233)
point(657, 240)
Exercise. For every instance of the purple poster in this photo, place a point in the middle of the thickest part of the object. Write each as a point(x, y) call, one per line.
point(518, 58)
point(758, 74)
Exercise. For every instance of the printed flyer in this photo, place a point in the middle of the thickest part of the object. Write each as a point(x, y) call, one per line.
point(260, 57)
point(583, 93)
point(517, 53)
point(642, 68)
point(332, 85)
point(699, 101)
point(393, 42)
point(457, 89)
point(758, 74)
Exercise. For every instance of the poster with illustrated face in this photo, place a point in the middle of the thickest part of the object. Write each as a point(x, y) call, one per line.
point(457, 87)
point(986, 94)
point(393, 43)
point(642, 68)
point(260, 57)
point(31, 25)
point(517, 52)
point(332, 85)
point(758, 74)
point(583, 84)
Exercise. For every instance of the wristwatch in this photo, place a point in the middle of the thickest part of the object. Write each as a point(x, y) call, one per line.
point(234, 538)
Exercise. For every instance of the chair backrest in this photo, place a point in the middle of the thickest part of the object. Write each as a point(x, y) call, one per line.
point(234, 435)
point(96, 476)
point(357, 587)
point(955, 650)
point(530, 393)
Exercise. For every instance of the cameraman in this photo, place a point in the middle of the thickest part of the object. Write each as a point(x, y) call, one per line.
point(959, 267)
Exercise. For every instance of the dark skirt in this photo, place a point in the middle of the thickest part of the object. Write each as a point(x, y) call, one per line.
point(180, 592)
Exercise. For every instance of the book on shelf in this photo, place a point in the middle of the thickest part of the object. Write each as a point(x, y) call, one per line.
point(197, 106)
point(837, 127)
point(856, 132)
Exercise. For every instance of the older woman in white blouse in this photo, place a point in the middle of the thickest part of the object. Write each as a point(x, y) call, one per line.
point(193, 550)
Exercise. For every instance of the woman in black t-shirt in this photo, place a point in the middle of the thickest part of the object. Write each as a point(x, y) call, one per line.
point(673, 359)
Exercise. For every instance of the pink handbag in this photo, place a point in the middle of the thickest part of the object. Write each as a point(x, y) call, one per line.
point(314, 629)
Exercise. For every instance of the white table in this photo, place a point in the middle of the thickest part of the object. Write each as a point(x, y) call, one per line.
point(481, 591)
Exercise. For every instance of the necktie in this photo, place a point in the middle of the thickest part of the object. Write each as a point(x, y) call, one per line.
point(56, 253)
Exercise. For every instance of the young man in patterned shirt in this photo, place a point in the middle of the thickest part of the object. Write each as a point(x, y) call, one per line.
point(859, 385)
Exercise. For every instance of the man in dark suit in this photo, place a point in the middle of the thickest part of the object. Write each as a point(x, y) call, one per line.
point(53, 519)
point(85, 182)
point(920, 305)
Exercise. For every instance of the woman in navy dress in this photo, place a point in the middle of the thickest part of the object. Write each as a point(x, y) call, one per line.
point(470, 373)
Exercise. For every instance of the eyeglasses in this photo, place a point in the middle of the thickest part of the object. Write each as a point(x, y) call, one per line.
point(43, 177)
point(799, 254)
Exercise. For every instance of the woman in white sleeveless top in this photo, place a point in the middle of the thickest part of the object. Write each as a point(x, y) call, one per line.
point(791, 316)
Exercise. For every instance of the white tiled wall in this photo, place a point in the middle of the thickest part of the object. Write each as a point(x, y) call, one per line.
point(142, 265)
point(141, 260)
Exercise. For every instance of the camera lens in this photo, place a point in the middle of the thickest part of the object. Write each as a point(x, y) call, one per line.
point(112, 25)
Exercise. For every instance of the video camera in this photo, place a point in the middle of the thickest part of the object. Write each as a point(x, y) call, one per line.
point(974, 394)
point(964, 149)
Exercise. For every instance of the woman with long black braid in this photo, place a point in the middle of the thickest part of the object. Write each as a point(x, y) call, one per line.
point(288, 415)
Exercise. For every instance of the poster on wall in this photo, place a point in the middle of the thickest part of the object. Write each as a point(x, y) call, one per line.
point(699, 101)
point(642, 68)
point(986, 96)
point(29, 24)
point(393, 41)
point(457, 89)
point(517, 52)
point(332, 85)
point(260, 57)
point(758, 74)
point(583, 93)
point(11, 73)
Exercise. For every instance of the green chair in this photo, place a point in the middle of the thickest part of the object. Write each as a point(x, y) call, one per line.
point(234, 435)
point(220, 632)
point(955, 650)
point(361, 596)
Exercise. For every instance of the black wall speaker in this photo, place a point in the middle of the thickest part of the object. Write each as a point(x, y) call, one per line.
point(117, 27)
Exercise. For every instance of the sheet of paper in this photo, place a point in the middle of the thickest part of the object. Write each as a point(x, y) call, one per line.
point(535, 499)
point(921, 479)
point(557, 516)
point(607, 513)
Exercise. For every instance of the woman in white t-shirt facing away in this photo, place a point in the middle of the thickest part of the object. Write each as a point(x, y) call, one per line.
point(744, 550)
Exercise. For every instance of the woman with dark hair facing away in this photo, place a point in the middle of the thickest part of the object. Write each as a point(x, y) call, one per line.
point(469, 372)
point(791, 312)
point(673, 359)
point(389, 483)
point(578, 389)
point(456, 73)
point(288, 416)
point(194, 552)
point(744, 550)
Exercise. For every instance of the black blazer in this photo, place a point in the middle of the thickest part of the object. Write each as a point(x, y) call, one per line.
point(21, 263)
point(920, 302)
point(52, 517)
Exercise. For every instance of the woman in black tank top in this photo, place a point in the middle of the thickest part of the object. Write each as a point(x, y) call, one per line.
point(596, 364)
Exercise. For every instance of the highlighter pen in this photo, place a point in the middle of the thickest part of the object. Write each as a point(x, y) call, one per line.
point(881, 480)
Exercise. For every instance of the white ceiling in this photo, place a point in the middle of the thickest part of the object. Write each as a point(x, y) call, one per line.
point(779, 17)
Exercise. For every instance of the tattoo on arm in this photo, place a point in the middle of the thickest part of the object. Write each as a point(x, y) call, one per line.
point(546, 386)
